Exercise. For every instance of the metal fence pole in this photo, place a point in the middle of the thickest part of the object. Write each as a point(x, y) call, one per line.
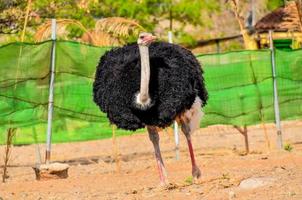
point(170, 36)
point(51, 90)
point(217, 46)
point(176, 134)
point(176, 137)
point(276, 102)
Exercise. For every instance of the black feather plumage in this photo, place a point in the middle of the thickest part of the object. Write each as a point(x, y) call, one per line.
point(175, 81)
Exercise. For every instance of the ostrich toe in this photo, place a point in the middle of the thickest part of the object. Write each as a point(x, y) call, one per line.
point(196, 173)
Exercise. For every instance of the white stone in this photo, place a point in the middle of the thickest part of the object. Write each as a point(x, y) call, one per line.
point(252, 183)
point(54, 166)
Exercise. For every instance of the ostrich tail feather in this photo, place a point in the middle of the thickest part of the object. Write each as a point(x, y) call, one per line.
point(142, 105)
point(194, 115)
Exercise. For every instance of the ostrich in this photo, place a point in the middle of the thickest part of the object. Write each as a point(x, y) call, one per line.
point(150, 84)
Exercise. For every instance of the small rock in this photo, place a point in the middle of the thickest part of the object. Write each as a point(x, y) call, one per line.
point(280, 169)
point(252, 183)
point(291, 194)
point(51, 171)
point(232, 195)
point(171, 186)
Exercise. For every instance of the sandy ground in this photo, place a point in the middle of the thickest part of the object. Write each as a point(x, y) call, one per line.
point(219, 153)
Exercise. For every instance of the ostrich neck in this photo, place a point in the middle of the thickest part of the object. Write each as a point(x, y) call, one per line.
point(145, 73)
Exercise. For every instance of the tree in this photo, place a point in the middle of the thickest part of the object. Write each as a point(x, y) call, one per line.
point(11, 16)
point(249, 42)
point(157, 14)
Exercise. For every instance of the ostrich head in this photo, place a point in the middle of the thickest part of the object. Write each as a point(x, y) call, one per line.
point(145, 39)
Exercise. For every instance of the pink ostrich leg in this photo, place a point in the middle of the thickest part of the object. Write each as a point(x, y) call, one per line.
point(154, 137)
point(186, 130)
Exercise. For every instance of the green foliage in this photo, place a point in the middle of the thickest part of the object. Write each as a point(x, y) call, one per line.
point(11, 20)
point(11, 16)
point(234, 45)
point(74, 31)
point(148, 13)
point(119, 8)
point(56, 8)
point(185, 38)
point(189, 180)
point(273, 4)
point(288, 147)
point(296, 44)
point(190, 11)
point(5, 4)
point(64, 9)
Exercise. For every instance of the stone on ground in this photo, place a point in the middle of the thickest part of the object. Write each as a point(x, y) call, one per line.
point(252, 183)
point(51, 171)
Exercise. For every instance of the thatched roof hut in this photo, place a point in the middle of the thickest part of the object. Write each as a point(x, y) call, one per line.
point(282, 19)
point(285, 22)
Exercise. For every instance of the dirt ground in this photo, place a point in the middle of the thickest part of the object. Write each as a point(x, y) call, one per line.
point(219, 153)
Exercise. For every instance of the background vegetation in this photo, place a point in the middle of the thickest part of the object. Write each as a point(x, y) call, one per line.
point(190, 20)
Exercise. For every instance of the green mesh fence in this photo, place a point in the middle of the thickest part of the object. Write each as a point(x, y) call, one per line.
point(239, 84)
point(240, 88)
point(289, 77)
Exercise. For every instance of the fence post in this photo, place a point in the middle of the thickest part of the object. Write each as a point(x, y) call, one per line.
point(276, 102)
point(170, 37)
point(51, 91)
point(217, 46)
point(176, 135)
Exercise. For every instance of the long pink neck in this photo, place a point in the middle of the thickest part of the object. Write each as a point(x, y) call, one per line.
point(145, 74)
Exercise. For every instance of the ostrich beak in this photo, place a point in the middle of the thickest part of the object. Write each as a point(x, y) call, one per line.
point(149, 39)
point(153, 37)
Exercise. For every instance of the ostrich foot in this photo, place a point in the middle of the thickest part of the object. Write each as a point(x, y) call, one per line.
point(165, 187)
point(196, 173)
point(164, 183)
point(162, 174)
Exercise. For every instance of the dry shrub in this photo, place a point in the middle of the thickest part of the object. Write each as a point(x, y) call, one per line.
point(7, 152)
point(110, 31)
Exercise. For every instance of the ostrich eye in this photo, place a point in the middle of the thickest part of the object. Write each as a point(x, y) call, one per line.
point(141, 37)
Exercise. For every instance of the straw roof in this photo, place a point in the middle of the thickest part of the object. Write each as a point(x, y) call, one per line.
point(283, 19)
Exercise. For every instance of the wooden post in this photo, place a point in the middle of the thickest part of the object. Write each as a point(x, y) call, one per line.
point(268, 143)
point(261, 114)
point(37, 147)
point(9, 140)
point(217, 46)
point(245, 135)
